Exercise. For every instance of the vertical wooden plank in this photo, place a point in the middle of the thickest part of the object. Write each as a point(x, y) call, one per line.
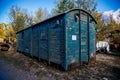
point(88, 37)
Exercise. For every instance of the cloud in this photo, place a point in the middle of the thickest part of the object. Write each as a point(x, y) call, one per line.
point(116, 15)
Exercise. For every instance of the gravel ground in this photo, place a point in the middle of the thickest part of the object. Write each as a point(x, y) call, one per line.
point(17, 66)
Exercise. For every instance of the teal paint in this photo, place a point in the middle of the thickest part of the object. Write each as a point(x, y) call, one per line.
point(65, 39)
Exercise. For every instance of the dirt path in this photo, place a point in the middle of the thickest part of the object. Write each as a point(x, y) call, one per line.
point(8, 71)
point(17, 66)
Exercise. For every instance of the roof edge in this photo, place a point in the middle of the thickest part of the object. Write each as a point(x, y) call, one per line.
point(83, 11)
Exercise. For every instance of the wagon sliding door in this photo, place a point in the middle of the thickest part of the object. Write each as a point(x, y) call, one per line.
point(43, 50)
point(83, 37)
point(56, 44)
point(35, 41)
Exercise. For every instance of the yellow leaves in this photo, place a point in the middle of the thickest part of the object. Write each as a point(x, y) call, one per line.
point(100, 27)
point(2, 31)
point(6, 30)
point(39, 14)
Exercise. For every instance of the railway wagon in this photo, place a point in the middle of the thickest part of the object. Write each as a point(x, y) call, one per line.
point(66, 39)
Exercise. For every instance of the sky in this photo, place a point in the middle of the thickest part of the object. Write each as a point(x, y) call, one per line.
point(107, 5)
point(32, 5)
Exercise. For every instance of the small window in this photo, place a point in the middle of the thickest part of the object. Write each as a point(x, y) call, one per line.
point(91, 20)
point(76, 17)
point(43, 35)
point(58, 21)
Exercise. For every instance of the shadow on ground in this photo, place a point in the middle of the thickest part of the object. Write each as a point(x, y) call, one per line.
point(106, 67)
